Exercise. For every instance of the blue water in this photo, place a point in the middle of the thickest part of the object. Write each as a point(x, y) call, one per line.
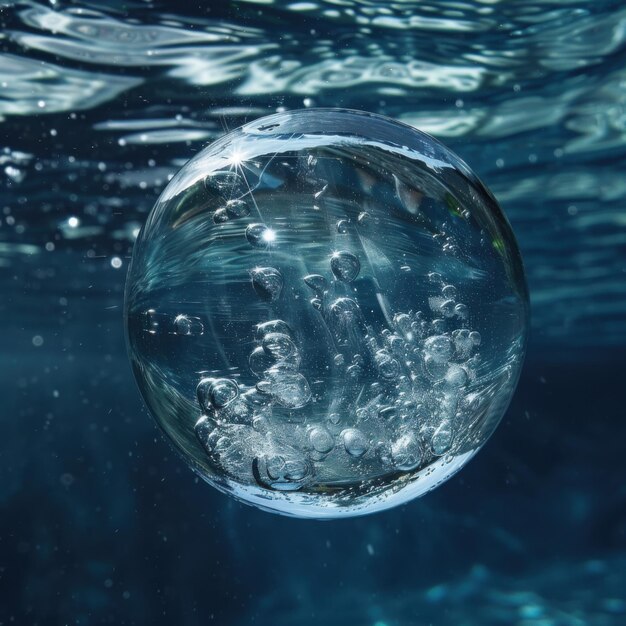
point(101, 103)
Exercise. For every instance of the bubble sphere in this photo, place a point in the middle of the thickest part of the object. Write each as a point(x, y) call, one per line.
point(354, 313)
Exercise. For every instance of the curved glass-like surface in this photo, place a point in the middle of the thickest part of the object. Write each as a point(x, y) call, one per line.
point(326, 313)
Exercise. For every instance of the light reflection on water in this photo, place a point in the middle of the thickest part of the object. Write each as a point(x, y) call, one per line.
point(104, 105)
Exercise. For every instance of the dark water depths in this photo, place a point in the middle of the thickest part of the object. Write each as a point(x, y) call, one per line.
point(101, 103)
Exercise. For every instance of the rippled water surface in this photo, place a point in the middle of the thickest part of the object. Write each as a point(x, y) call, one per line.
point(101, 103)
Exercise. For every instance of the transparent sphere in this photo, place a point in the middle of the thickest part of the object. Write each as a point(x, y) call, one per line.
point(326, 313)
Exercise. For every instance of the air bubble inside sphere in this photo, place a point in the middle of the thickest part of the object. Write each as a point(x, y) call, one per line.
point(326, 313)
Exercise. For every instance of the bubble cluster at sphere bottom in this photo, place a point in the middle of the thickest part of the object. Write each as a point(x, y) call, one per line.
point(326, 313)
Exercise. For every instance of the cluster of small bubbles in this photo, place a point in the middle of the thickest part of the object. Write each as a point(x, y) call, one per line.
point(438, 347)
point(446, 303)
point(284, 471)
point(216, 393)
point(273, 463)
point(388, 367)
point(406, 452)
point(343, 358)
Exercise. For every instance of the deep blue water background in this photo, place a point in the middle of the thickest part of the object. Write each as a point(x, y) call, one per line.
point(100, 521)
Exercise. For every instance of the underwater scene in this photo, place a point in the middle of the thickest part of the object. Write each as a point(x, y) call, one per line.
point(313, 256)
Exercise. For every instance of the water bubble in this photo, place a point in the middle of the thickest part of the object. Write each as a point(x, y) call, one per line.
point(255, 399)
point(354, 371)
point(259, 235)
point(439, 348)
point(456, 376)
point(273, 326)
point(316, 282)
point(387, 413)
point(187, 325)
point(406, 452)
point(463, 344)
point(223, 182)
point(207, 433)
point(345, 266)
point(382, 452)
point(237, 208)
point(358, 359)
point(363, 218)
point(396, 344)
point(304, 275)
point(447, 308)
point(222, 391)
point(345, 309)
point(403, 322)
point(442, 439)
point(334, 423)
point(387, 366)
point(231, 453)
point(260, 361)
point(449, 292)
point(237, 411)
point(438, 326)
point(267, 282)
point(261, 424)
point(202, 394)
point(461, 311)
point(355, 442)
point(321, 441)
point(435, 369)
point(220, 216)
point(278, 345)
point(289, 389)
point(286, 471)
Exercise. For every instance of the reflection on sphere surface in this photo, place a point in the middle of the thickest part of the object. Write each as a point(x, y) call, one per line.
point(326, 313)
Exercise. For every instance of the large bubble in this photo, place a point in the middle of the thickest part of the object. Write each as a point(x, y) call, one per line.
point(326, 313)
